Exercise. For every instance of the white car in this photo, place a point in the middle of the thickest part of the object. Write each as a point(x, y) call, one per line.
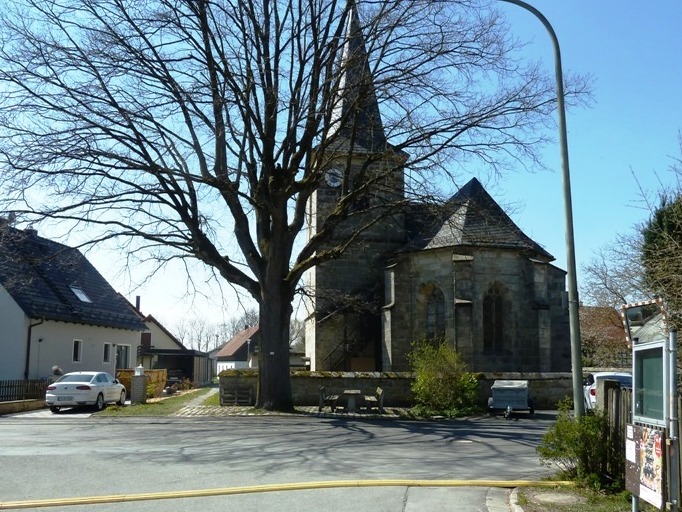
point(84, 388)
point(590, 385)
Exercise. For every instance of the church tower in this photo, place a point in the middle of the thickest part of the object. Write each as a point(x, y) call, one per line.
point(343, 330)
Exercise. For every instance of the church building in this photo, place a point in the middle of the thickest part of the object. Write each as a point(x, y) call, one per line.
point(461, 273)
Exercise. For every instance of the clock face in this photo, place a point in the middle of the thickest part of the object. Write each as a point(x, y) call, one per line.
point(333, 177)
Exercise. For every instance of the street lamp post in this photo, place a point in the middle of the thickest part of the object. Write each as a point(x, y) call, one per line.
point(574, 323)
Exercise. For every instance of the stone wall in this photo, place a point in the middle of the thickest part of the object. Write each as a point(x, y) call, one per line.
point(535, 316)
point(17, 406)
point(546, 389)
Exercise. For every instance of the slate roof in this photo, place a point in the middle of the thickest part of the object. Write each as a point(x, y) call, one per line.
point(228, 351)
point(356, 126)
point(470, 218)
point(41, 275)
point(356, 113)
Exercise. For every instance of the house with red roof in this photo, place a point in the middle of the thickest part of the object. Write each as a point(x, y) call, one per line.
point(242, 352)
point(239, 352)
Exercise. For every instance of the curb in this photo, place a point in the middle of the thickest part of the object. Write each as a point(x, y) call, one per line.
point(298, 486)
point(514, 501)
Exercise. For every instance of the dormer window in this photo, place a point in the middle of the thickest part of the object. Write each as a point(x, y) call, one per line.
point(80, 293)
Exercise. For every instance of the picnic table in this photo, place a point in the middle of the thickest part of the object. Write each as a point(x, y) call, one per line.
point(351, 397)
point(351, 400)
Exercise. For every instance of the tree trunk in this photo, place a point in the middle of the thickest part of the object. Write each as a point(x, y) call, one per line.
point(274, 383)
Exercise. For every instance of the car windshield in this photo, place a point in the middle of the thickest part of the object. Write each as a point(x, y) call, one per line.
point(75, 377)
point(626, 380)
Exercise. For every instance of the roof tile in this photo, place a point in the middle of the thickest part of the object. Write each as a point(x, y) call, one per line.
point(39, 273)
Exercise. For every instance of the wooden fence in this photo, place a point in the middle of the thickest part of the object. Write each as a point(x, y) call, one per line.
point(618, 409)
point(11, 390)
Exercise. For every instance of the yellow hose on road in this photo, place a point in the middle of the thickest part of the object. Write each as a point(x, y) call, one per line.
point(225, 491)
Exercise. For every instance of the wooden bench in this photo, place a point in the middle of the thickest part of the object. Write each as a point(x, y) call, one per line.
point(327, 399)
point(375, 400)
point(236, 396)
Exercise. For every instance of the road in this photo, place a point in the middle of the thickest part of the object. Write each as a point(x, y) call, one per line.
point(70, 455)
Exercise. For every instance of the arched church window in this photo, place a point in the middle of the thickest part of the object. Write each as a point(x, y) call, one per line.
point(435, 314)
point(494, 319)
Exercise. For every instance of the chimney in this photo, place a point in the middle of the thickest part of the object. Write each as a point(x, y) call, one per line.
point(9, 220)
point(137, 302)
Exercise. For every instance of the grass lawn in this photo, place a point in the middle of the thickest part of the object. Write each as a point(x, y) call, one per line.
point(156, 407)
point(574, 499)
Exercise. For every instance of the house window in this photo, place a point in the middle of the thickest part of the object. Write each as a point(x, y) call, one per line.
point(106, 358)
point(435, 314)
point(494, 319)
point(122, 356)
point(80, 293)
point(77, 348)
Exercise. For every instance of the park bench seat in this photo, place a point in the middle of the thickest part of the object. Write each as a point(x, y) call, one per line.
point(375, 400)
point(327, 398)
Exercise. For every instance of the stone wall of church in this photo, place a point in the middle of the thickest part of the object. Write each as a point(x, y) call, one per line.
point(415, 276)
point(535, 316)
point(560, 327)
point(352, 288)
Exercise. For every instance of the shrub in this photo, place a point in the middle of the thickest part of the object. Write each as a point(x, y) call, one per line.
point(580, 448)
point(151, 390)
point(442, 384)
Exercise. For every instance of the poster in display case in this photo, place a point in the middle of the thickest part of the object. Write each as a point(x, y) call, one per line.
point(645, 464)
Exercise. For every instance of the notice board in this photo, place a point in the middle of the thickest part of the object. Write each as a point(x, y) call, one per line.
point(645, 464)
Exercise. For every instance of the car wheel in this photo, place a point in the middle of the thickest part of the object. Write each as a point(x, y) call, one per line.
point(99, 403)
point(122, 399)
point(55, 410)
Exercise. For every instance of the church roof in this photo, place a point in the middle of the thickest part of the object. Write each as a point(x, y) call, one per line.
point(470, 218)
point(356, 120)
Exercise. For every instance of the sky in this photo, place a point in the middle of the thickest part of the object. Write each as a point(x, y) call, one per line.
point(625, 139)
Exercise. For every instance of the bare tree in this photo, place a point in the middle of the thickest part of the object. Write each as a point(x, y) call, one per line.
point(199, 333)
point(236, 324)
point(615, 275)
point(644, 262)
point(602, 337)
point(297, 335)
point(201, 128)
